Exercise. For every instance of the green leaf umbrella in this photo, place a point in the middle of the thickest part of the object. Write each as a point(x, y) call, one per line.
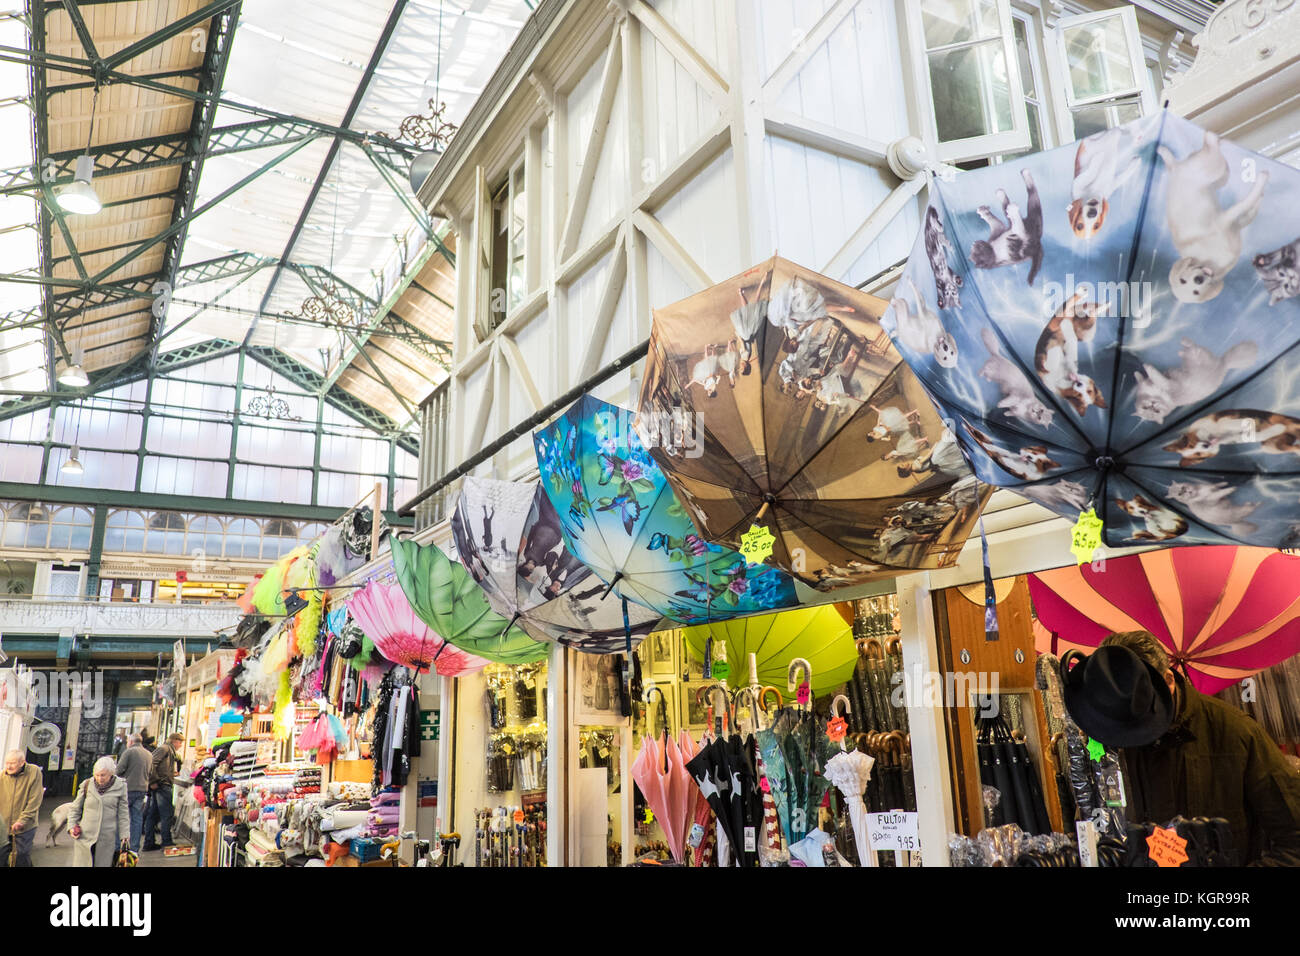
point(820, 635)
point(446, 598)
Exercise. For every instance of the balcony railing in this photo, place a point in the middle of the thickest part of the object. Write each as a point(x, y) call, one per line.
point(115, 617)
point(435, 414)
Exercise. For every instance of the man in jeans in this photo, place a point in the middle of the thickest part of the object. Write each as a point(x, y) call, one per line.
point(133, 767)
point(162, 770)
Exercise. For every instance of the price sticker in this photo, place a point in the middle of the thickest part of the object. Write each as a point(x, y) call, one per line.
point(1085, 536)
point(1096, 750)
point(836, 728)
point(895, 830)
point(721, 669)
point(518, 817)
point(1166, 847)
point(751, 839)
point(756, 544)
point(804, 693)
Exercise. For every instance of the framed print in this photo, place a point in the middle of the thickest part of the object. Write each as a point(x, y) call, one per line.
point(597, 691)
point(694, 714)
point(661, 658)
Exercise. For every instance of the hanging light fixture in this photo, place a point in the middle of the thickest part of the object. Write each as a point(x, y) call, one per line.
point(73, 465)
point(79, 196)
point(74, 376)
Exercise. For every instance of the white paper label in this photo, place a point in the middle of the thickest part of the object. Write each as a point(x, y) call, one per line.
point(895, 830)
point(1087, 831)
point(696, 836)
point(751, 840)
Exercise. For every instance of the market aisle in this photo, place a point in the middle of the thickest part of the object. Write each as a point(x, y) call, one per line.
point(61, 853)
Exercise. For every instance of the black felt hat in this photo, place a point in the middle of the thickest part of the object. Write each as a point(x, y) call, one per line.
point(1117, 698)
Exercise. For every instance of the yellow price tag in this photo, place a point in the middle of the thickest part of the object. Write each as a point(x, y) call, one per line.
point(1085, 537)
point(756, 544)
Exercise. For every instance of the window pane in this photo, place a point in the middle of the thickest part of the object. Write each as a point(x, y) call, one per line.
point(969, 86)
point(1095, 119)
point(1098, 56)
point(1025, 57)
point(956, 21)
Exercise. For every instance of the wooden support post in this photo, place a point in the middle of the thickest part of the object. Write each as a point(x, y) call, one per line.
point(929, 739)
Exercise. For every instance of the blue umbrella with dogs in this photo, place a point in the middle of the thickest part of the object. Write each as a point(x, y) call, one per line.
point(1114, 324)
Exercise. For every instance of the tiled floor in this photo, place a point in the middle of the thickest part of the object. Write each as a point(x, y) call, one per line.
point(61, 853)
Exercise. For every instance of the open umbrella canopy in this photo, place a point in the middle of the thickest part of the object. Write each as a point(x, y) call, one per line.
point(387, 618)
point(446, 598)
point(1114, 322)
point(1223, 612)
point(508, 534)
point(819, 635)
point(776, 398)
point(619, 517)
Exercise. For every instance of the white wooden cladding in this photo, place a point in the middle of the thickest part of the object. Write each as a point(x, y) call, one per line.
point(701, 138)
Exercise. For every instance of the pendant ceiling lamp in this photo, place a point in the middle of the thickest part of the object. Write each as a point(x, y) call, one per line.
point(79, 196)
point(73, 464)
point(74, 376)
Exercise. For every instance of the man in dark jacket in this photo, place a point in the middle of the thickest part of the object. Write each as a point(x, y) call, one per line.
point(134, 767)
point(162, 771)
point(1187, 754)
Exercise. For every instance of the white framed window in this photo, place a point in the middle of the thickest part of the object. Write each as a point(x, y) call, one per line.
point(966, 74)
point(1104, 80)
point(509, 243)
point(1033, 81)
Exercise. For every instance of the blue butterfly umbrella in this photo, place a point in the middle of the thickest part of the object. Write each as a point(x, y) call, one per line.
point(1115, 323)
point(619, 517)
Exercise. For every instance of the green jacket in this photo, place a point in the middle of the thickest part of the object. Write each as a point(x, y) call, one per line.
point(1214, 761)
point(20, 796)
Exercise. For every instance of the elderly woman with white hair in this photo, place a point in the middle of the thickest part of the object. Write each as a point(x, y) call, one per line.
point(99, 821)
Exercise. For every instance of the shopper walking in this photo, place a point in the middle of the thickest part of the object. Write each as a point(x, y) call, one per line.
point(99, 821)
point(1186, 754)
point(162, 770)
point(133, 767)
point(21, 790)
point(119, 744)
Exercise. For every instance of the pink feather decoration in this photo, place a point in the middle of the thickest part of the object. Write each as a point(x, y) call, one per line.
point(384, 614)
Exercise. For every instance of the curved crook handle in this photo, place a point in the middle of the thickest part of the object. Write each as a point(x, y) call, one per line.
point(735, 707)
point(835, 706)
point(663, 707)
point(725, 710)
point(880, 650)
point(763, 694)
point(795, 665)
point(893, 647)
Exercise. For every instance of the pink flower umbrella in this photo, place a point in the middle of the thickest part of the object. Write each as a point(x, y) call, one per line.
point(387, 618)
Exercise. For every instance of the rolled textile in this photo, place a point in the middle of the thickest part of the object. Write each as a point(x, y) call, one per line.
point(342, 819)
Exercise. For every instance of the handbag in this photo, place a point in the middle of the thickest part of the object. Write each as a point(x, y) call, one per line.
point(126, 858)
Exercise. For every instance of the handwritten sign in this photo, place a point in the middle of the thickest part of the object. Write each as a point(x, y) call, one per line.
point(756, 544)
point(1096, 750)
point(836, 728)
point(1085, 536)
point(1166, 847)
point(895, 830)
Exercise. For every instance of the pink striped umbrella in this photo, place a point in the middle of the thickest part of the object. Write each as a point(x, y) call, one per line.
point(1223, 612)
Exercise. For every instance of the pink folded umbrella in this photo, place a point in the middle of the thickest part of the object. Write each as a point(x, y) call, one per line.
point(659, 771)
point(387, 618)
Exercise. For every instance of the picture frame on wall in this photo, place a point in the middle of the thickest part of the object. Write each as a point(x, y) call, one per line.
point(597, 690)
point(661, 653)
point(694, 715)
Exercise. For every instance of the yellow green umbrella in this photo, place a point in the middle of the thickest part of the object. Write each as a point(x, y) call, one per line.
point(820, 635)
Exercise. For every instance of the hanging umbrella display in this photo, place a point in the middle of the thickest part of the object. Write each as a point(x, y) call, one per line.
point(620, 518)
point(776, 399)
point(1135, 354)
point(1222, 612)
point(508, 535)
point(445, 597)
point(660, 771)
point(820, 635)
point(385, 615)
point(795, 751)
point(728, 780)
